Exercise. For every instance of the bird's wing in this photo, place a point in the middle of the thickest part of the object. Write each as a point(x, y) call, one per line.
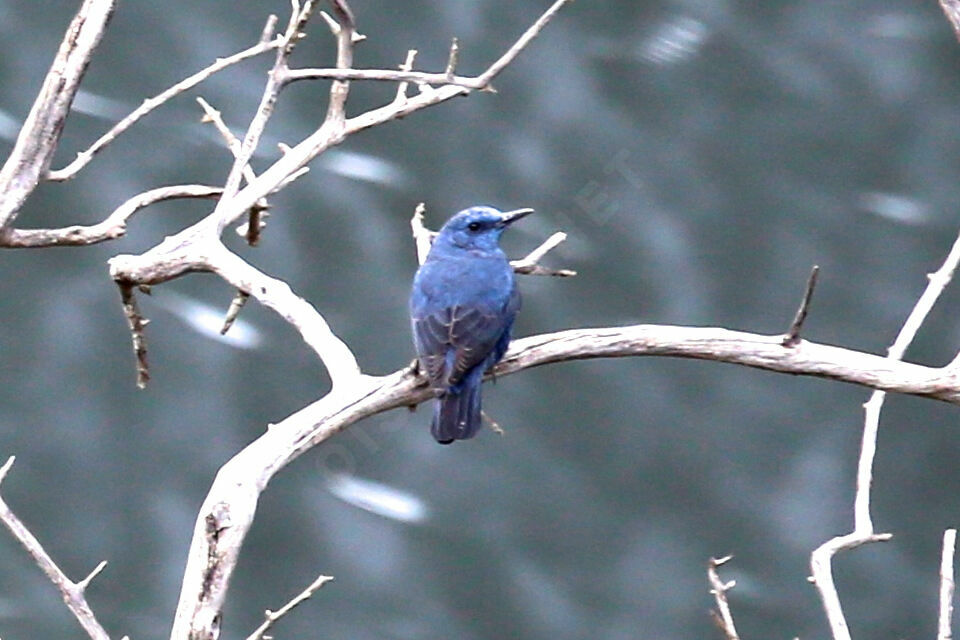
point(453, 341)
point(474, 333)
point(431, 337)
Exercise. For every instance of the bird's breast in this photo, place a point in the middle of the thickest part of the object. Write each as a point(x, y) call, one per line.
point(444, 282)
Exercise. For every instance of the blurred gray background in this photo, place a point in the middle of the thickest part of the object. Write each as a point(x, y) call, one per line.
point(702, 155)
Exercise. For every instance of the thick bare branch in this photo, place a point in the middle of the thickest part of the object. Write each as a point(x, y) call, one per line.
point(340, 362)
point(84, 157)
point(73, 592)
point(231, 503)
point(40, 134)
point(114, 226)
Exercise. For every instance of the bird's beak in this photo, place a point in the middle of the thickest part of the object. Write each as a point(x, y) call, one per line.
point(509, 217)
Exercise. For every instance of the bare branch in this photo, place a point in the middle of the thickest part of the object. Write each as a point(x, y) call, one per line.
point(406, 66)
point(298, 19)
point(84, 157)
point(944, 627)
point(83, 584)
point(340, 89)
point(340, 362)
point(40, 134)
point(422, 237)
point(530, 264)
point(72, 592)
point(114, 226)
point(269, 29)
point(273, 616)
point(494, 70)
point(719, 588)
point(328, 135)
point(236, 305)
point(385, 75)
point(793, 334)
point(863, 531)
point(447, 77)
point(136, 323)
point(232, 500)
point(452, 59)
point(254, 224)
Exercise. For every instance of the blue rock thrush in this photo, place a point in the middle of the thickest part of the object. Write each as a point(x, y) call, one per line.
point(462, 307)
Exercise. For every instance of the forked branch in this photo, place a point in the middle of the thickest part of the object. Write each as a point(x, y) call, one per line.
point(74, 593)
point(863, 532)
point(40, 135)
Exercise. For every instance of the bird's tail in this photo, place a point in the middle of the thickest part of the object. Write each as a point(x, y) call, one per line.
point(456, 414)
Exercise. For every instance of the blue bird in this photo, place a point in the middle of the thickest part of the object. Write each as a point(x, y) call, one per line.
point(462, 308)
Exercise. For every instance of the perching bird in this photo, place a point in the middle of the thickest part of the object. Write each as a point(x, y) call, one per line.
point(462, 307)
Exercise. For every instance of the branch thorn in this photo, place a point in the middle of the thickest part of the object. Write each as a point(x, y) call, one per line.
point(792, 337)
point(83, 584)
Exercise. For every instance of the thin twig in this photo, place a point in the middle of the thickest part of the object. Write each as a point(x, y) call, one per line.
point(532, 32)
point(84, 157)
point(530, 264)
point(863, 530)
point(269, 29)
point(385, 75)
point(944, 625)
point(340, 89)
point(136, 323)
point(452, 59)
point(73, 592)
point(271, 617)
point(718, 589)
point(792, 336)
point(422, 237)
point(233, 310)
point(114, 226)
point(254, 224)
point(406, 66)
point(480, 82)
point(40, 135)
point(298, 19)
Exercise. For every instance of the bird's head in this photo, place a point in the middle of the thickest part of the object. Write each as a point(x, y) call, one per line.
point(478, 228)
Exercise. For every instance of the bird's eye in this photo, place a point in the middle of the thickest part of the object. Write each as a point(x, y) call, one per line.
point(474, 226)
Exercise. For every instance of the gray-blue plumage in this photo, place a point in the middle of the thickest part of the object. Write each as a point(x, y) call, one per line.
point(462, 308)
